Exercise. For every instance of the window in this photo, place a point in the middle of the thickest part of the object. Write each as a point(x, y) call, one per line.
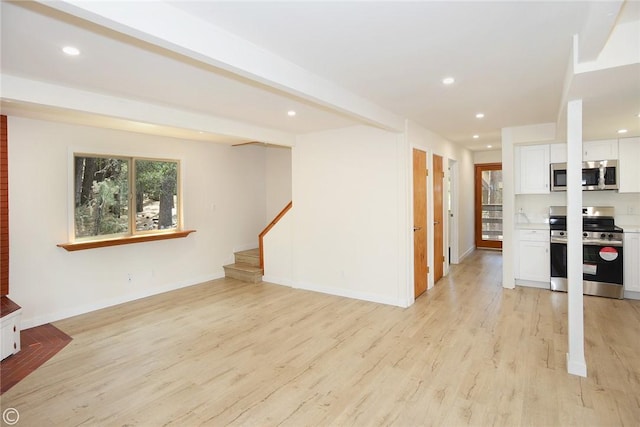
point(106, 204)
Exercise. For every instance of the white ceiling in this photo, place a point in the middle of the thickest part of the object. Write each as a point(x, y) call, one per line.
point(509, 60)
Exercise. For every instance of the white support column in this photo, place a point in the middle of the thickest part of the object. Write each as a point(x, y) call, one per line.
point(576, 363)
point(508, 209)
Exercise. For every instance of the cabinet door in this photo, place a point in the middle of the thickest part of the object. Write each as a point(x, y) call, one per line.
point(632, 262)
point(606, 149)
point(629, 162)
point(532, 175)
point(7, 335)
point(558, 153)
point(533, 261)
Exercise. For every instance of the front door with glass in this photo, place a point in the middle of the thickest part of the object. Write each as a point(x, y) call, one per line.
point(488, 205)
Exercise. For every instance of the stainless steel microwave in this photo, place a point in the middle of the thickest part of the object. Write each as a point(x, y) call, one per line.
point(596, 175)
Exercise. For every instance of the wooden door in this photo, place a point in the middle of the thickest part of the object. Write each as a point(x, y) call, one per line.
point(438, 219)
point(420, 269)
point(488, 205)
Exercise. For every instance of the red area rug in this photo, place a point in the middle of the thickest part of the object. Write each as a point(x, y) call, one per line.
point(38, 345)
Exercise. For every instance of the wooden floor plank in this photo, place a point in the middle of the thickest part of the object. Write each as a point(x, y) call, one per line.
point(468, 352)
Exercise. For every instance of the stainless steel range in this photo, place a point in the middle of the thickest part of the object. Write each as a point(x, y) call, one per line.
point(602, 247)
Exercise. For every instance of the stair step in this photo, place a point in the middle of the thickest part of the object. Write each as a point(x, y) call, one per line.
point(251, 257)
point(243, 271)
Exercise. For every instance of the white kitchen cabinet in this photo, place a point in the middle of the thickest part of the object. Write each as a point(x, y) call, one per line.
point(558, 153)
point(631, 277)
point(532, 169)
point(629, 165)
point(605, 149)
point(532, 257)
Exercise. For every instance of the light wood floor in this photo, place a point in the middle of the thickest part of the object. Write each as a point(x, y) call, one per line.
point(466, 353)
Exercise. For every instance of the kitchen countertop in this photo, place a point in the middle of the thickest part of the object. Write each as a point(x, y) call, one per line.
point(630, 228)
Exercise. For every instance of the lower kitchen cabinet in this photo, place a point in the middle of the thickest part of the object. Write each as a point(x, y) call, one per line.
point(532, 257)
point(631, 262)
point(9, 327)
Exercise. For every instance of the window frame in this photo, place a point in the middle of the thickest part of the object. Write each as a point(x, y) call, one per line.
point(133, 235)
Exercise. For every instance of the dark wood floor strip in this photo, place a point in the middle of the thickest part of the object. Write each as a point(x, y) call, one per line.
point(38, 345)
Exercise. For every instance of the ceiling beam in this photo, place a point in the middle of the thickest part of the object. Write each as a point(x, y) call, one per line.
point(166, 26)
point(601, 20)
point(41, 95)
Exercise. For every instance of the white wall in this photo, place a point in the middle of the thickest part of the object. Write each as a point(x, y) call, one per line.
point(224, 200)
point(278, 252)
point(349, 214)
point(490, 156)
point(277, 180)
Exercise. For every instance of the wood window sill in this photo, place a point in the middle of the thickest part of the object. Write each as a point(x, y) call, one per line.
point(79, 246)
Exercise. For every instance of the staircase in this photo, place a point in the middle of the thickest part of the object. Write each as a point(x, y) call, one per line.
point(246, 268)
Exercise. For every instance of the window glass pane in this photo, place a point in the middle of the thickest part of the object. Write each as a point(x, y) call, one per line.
point(492, 205)
point(156, 195)
point(101, 196)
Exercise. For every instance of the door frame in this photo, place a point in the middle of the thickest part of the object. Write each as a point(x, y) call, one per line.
point(441, 264)
point(452, 219)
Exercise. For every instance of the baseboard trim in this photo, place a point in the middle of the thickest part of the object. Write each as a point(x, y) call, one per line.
point(76, 311)
point(631, 295)
point(348, 293)
point(532, 284)
point(576, 367)
point(466, 254)
point(277, 281)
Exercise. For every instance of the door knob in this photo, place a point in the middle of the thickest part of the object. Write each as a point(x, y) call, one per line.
point(417, 228)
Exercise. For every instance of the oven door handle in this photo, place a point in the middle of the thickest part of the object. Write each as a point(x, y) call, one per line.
point(602, 243)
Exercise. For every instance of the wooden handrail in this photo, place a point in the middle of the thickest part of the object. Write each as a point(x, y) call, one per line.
point(269, 227)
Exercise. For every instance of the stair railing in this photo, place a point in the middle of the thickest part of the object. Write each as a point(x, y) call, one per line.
point(269, 227)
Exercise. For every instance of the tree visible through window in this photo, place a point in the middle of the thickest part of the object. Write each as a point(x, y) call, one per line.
point(107, 204)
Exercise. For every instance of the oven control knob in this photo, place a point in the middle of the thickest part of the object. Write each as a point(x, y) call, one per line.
point(602, 236)
point(562, 233)
point(584, 234)
point(610, 236)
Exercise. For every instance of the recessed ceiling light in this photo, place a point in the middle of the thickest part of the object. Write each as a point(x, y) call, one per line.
point(291, 113)
point(476, 136)
point(479, 115)
point(448, 80)
point(639, 115)
point(71, 51)
point(622, 131)
point(489, 146)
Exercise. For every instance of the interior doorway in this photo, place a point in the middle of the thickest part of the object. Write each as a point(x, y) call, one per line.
point(488, 205)
point(452, 217)
point(438, 218)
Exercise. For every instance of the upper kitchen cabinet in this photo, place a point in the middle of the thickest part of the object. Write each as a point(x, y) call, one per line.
point(629, 165)
point(606, 149)
point(532, 169)
point(558, 153)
